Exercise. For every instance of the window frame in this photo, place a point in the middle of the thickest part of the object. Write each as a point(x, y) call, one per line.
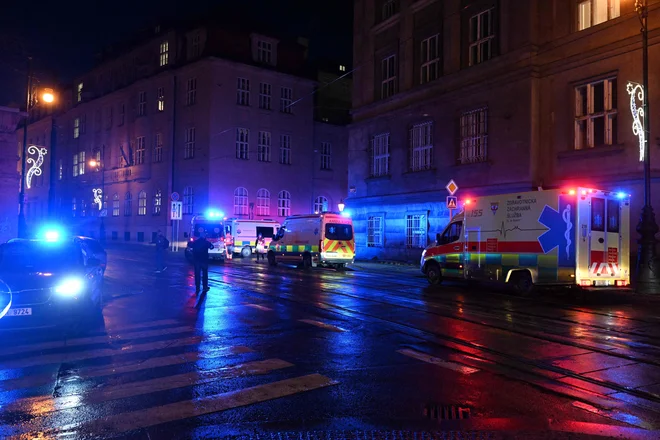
point(191, 91)
point(473, 136)
point(285, 149)
point(379, 150)
point(189, 146)
point(416, 227)
point(588, 115)
point(326, 156)
point(263, 202)
point(241, 201)
point(420, 141)
point(242, 143)
point(388, 78)
point(286, 100)
point(265, 96)
point(375, 235)
point(142, 203)
point(264, 146)
point(242, 91)
point(284, 203)
point(425, 60)
point(481, 40)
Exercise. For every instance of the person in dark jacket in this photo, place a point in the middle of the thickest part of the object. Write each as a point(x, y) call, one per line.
point(200, 251)
point(162, 244)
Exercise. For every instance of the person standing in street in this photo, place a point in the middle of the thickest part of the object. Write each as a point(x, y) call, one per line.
point(229, 245)
point(260, 246)
point(162, 244)
point(200, 251)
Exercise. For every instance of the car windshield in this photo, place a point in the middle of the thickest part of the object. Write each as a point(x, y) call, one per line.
point(211, 230)
point(336, 231)
point(37, 256)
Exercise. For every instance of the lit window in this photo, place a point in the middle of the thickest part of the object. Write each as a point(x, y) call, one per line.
point(285, 149)
point(264, 96)
point(430, 59)
point(595, 12)
point(79, 95)
point(388, 76)
point(286, 99)
point(140, 150)
point(263, 147)
point(240, 201)
point(284, 204)
point(243, 91)
point(158, 202)
point(320, 204)
point(191, 96)
point(161, 99)
point(326, 156)
point(164, 53)
point(242, 143)
point(482, 35)
point(142, 203)
point(189, 150)
point(474, 136)
point(76, 128)
point(416, 234)
point(263, 202)
point(188, 200)
point(374, 231)
point(596, 114)
point(380, 155)
point(421, 146)
point(342, 68)
point(115, 205)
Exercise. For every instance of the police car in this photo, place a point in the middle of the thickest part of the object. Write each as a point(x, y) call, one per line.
point(50, 281)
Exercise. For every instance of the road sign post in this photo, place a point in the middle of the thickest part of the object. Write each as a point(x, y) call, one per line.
point(176, 214)
point(452, 201)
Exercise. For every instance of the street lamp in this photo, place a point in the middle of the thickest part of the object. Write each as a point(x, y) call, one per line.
point(99, 193)
point(648, 280)
point(341, 205)
point(31, 100)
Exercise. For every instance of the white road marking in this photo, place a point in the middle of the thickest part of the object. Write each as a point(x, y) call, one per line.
point(93, 340)
point(322, 325)
point(37, 406)
point(129, 421)
point(437, 361)
point(260, 307)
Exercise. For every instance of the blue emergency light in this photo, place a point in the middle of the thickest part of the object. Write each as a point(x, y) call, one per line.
point(621, 195)
point(50, 233)
point(215, 214)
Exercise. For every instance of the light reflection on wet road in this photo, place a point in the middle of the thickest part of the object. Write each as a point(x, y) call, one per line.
point(283, 349)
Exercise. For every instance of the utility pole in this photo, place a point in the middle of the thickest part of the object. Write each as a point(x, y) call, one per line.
point(22, 225)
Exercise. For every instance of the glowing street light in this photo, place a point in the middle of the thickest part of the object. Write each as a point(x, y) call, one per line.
point(48, 96)
point(341, 205)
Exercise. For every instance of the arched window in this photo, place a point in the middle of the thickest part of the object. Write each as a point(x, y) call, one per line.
point(263, 202)
point(158, 202)
point(240, 201)
point(320, 204)
point(188, 200)
point(115, 205)
point(74, 206)
point(284, 204)
point(142, 203)
point(128, 204)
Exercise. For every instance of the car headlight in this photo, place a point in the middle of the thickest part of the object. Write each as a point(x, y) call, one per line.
point(70, 287)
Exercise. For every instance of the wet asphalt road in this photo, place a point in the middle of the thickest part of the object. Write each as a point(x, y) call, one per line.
point(373, 348)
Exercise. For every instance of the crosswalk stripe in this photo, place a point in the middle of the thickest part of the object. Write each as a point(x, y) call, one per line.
point(37, 406)
point(101, 352)
point(437, 361)
point(124, 367)
point(129, 421)
point(93, 340)
point(322, 325)
point(147, 324)
point(260, 307)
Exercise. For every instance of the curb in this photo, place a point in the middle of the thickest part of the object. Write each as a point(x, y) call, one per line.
point(387, 262)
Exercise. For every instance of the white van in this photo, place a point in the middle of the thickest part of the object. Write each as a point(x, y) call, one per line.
point(244, 233)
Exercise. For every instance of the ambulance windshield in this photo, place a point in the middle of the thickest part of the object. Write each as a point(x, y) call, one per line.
point(335, 231)
point(210, 230)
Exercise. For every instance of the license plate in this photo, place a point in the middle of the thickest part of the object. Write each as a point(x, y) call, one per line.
point(25, 311)
point(601, 283)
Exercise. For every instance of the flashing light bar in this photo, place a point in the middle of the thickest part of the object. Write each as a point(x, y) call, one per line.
point(215, 214)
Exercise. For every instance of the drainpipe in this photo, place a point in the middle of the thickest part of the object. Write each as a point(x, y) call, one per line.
point(173, 153)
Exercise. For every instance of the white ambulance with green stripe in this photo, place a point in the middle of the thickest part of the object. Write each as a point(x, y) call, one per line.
point(244, 233)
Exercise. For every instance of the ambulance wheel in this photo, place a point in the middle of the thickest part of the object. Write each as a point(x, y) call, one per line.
point(271, 259)
point(246, 252)
point(307, 262)
point(522, 282)
point(433, 273)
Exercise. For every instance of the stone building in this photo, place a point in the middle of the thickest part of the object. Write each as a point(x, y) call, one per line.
point(221, 116)
point(500, 96)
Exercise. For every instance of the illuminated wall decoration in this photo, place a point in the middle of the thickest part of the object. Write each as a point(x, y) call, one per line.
point(636, 92)
point(98, 197)
point(35, 169)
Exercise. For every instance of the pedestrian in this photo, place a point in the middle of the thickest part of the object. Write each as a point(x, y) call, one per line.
point(229, 245)
point(200, 251)
point(162, 244)
point(260, 245)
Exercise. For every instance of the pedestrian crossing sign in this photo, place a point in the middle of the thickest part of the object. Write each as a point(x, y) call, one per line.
point(452, 202)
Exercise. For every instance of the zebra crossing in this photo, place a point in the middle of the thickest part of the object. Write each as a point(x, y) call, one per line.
point(113, 378)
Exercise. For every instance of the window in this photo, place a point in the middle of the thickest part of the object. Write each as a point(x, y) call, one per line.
point(189, 150)
point(195, 45)
point(140, 149)
point(79, 94)
point(388, 76)
point(264, 96)
point(263, 202)
point(122, 114)
point(594, 12)
point(613, 212)
point(482, 35)
point(76, 128)
point(83, 208)
point(164, 53)
point(374, 231)
point(452, 233)
point(474, 136)
point(286, 99)
point(142, 203)
point(285, 149)
point(83, 124)
point(430, 59)
point(242, 143)
point(380, 155)
point(320, 204)
point(598, 214)
point(421, 146)
point(337, 231)
point(389, 9)
point(596, 114)
point(284, 204)
point(188, 200)
point(115, 205)
point(416, 231)
point(128, 204)
point(142, 103)
point(326, 156)
point(158, 148)
point(60, 170)
point(264, 52)
point(79, 164)
point(105, 201)
point(74, 207)
point(191, 89)
point(240, 201)
point(342, 68)
point(243, 92)
point(161, 99)
point(158, 202)
point(263, 148)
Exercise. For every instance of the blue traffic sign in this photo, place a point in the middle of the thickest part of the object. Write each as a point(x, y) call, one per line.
point(452, 202)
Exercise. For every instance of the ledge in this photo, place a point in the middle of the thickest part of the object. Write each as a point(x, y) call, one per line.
point(377, 178)
point(485, 163)
point(609, 150)
point(386, 23)
point(422, 173)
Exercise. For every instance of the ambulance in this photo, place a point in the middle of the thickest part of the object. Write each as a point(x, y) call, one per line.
point(313, 240)
point(573, 237)
point(245, 233)
point(212, 225)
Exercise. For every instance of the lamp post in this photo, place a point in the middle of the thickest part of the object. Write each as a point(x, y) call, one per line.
point(30, 100)
point(100, 167)
point(341, 205)
point(648, 280)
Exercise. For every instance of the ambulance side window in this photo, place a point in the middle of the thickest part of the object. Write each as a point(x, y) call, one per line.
point(613, 216)
point(598, 214)
point(453, 233)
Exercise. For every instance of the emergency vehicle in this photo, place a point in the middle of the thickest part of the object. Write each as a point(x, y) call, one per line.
point(575, 237)
point(213, 226)
point(312, 240)
point(245, 233)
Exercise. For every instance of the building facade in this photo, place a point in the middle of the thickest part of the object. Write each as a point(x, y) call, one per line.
point(498, 95)
point(224, 119)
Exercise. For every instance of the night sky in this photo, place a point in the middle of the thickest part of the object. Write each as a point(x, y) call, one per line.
point(64, 37)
